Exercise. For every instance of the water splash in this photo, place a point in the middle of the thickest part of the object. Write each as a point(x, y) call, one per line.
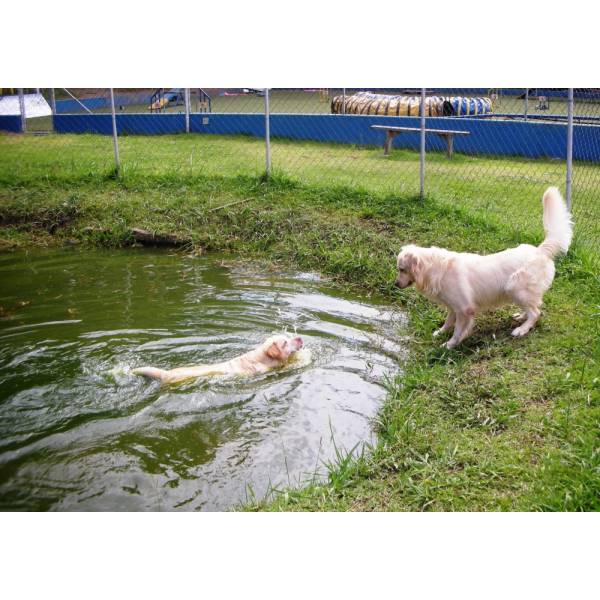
point(79, 432)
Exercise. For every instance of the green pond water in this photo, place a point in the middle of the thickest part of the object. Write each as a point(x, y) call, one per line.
point(79, 432)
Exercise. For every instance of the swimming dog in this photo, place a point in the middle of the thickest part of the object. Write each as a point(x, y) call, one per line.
point(272, 353)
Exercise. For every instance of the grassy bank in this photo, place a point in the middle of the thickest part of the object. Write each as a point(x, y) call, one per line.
point(498, 423)
point(503, 191)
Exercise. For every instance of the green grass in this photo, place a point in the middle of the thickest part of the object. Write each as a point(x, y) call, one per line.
point(497, 424)
point(505, 191)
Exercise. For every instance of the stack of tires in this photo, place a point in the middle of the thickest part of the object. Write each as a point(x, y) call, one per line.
point(367, 103)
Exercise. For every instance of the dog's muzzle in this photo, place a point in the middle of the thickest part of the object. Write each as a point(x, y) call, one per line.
point(401, 285)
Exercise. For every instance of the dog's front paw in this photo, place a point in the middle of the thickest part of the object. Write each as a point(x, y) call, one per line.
point(449, 345)
point(520, 331)
point(438, 331)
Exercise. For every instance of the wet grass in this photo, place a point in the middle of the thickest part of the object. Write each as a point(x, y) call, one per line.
point(496, 424)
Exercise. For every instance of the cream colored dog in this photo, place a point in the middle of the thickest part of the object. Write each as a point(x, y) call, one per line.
point(272, 353)
point(470, 283)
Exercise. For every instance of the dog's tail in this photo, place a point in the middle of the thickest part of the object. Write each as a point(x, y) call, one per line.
point(557, 224)
point(150, 372)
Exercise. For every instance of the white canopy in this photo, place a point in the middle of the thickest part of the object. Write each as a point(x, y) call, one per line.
point(35, 105)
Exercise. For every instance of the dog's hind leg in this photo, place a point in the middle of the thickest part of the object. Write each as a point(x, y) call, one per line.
point(448, 324)
point(526, 287)
point(526, 291)
point(530, 300)
point(151, 372)
point(463, 328)
point(532, 313)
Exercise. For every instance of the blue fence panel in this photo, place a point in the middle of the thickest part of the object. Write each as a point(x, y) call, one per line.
point(102, 102)
point(148, 124)
point(486, 137)
point(127, 124)
point(83, 124)
point(586, 142)
point(503, 138)
point(70, 106)
point(229, 123)
point(128, 98)
point(10, 123)
point(549, 92)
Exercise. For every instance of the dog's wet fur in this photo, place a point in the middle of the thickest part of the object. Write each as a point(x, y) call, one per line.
point(272, 353)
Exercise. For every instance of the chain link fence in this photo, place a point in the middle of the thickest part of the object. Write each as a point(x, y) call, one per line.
point(489, 151)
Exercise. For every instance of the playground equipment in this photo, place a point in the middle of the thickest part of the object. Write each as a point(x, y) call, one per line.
point(162, 99)
point(367, 103)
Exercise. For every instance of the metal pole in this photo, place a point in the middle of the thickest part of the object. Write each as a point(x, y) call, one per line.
point(78, 102)
point(22, 110)
point(344, 101)
point(569, 147)
point(114, 129)
point(267, 133)
point(186, 93)
point(526, 102)
point(422, 146)
point(53, 101)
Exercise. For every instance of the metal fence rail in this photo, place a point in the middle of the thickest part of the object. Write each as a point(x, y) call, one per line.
point(491, 151)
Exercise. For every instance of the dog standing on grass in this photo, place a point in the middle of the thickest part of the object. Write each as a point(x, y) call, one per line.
point(470, 283)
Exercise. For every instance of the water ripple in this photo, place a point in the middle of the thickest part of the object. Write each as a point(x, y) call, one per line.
point(79, 432)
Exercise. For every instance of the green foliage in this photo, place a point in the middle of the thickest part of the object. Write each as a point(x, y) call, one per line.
point(496, 424)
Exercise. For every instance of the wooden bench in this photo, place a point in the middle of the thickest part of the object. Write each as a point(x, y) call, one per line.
point(392, 132)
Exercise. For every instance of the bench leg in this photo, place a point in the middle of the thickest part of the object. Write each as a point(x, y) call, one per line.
point(449, 145)
point(387, 145)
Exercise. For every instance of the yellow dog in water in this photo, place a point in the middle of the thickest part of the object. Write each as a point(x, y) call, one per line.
point(272, 353)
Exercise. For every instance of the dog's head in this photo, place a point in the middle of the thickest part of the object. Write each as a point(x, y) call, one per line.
point(281, 347)
point(409, 264)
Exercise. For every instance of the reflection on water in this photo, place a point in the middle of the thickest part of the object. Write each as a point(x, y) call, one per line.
point(78, 432)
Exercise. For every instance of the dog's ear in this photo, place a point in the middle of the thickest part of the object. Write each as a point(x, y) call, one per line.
point(408, 259)
point(274, 352)
point(414, 263)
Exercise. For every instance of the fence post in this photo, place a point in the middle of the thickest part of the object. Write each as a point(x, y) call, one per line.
point(267, 133)
point(526, 108)
point(53, 101)
point(114, 130)
point(22, 110)
point(186, 94)
point(569, 147)
point(422, 146)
